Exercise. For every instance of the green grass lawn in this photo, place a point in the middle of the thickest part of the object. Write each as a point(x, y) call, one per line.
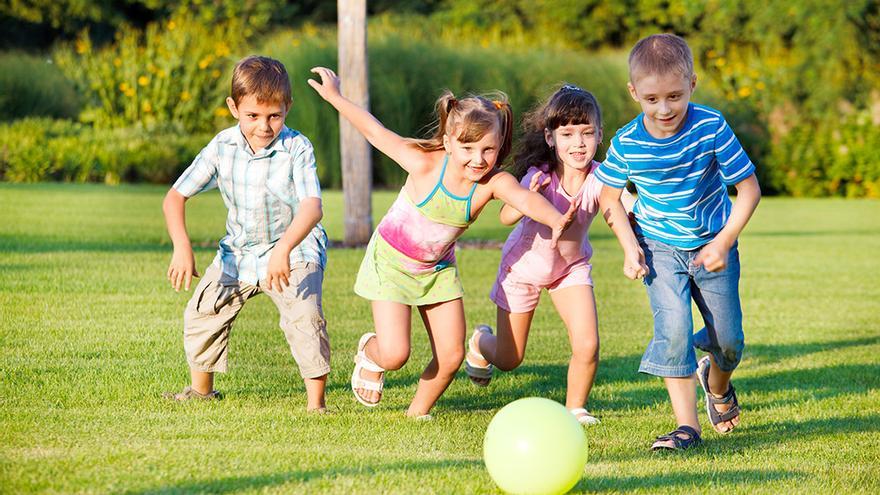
point(90, 336)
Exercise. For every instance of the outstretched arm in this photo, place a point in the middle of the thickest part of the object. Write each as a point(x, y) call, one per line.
point(615, 215)
point(183, 264)
point(510, 215)
point(507, 189)
point(377, 134)
point(713, 256)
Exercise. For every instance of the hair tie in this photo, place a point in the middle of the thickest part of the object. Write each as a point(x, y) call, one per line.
point(450, 104)
point(498, 104)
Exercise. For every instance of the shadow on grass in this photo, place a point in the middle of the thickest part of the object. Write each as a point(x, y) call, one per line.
point(260, 482)
point(659, 482)
point(548, 380)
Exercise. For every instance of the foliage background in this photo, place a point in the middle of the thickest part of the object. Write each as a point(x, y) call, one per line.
point(797, 81)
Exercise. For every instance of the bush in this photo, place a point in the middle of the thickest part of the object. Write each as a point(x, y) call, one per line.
point(33, 150)
point(173, 73)
point(34, 86)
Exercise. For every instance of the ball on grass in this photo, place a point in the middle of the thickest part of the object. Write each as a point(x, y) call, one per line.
point(535, 446)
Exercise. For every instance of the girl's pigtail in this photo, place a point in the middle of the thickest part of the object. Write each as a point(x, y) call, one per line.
point(506, 119)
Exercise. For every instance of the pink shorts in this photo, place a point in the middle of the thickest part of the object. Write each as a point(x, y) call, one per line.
point(516, 293)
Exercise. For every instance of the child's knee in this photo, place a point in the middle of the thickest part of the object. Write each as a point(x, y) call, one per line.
point(393, 359)
point(508, 363)
point(586, 353)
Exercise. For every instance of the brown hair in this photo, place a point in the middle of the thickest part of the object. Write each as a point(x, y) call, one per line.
point(469, 119)
point(660, 54)
point(263, 77)
point(566, 106)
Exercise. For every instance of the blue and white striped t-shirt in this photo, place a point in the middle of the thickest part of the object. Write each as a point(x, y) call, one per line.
point(262, 192)
point(681, 180)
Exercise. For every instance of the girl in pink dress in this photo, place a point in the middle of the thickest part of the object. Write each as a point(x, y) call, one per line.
point(556, 159)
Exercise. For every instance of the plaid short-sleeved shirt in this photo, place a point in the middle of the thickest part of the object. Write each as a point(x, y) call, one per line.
point(262, 192)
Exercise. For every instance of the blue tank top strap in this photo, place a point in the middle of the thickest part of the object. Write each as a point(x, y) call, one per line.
point(438, 185)
point(469, 197)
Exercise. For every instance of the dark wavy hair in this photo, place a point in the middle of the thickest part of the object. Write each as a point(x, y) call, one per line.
point(569, 105)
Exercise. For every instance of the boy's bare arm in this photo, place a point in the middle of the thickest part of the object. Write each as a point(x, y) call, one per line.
point(182, 268)
point(307, 217)
point(615, 215)
point(713, 256)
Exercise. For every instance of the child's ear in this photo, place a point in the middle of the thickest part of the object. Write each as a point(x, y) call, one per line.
point(632, 91)
point(446, 144)
point(232, 108)
point(548, 138)
point(693, 82)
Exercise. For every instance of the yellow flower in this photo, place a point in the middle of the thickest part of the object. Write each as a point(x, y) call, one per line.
point(295, 42)
point(185, 96)
point(123, 87)
point(117, 62)
point(760, 85)
point(171, 25)
point(215, 73)
point(203, 63)
point(143, 80)
point(711, 54)
point(129, 92)
point(744, 92)
point(161, 74)
point(81, 46)
point(720, 62)
point(220, 112)
point(221, 49)
point(146, 107)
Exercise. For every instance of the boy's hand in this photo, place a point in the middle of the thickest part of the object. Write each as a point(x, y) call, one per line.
point(182, 269)
point(329, 85)
point(634, 265)
point(565, 221)
point(713, 256)
point(539, 181)
point(278, 274)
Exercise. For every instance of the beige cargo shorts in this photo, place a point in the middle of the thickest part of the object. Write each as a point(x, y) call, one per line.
point(209, 315)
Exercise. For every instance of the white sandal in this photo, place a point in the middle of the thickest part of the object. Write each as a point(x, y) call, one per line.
point(362, 362)
point(584, 417)
point(476, 372)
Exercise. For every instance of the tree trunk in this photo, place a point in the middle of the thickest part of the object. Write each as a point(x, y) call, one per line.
point(357, 169)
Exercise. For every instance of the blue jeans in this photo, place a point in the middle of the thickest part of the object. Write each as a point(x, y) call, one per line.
point(671, 282)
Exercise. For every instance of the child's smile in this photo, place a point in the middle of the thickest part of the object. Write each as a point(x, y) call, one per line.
point(260, 122)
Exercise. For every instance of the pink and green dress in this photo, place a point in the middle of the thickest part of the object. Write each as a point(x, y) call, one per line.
point(411, 257)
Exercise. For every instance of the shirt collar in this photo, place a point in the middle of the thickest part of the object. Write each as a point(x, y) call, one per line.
point(275, 145)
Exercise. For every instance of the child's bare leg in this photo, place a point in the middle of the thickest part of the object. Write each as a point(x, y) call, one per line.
point(719, 383)
point(202, 381)
point(506, 349)
point(315, 392)
point(390, 348)
point(683, 396)
point(577, 308)
point(446, 329)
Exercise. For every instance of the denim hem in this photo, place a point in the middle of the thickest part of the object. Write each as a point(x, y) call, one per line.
point(667, 371)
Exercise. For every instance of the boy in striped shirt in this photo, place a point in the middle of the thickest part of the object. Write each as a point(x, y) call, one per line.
point(274, 242)
point(681, 157)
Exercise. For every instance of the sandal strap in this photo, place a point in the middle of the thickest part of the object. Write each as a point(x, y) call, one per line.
point(369, 384)
point(679, 442)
